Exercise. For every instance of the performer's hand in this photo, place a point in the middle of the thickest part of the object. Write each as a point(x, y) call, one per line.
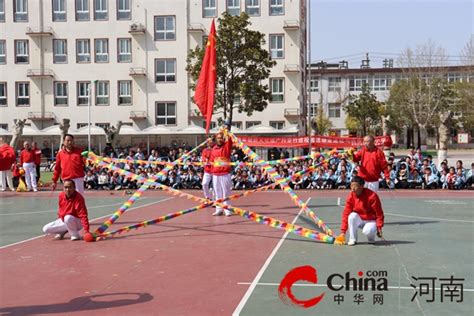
point(53, 186)
point(341, 239)
point(379, 233)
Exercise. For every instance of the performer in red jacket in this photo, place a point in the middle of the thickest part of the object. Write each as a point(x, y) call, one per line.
point(7, 161)
point(363, 210)
point(221, 182)
point(27, 161)
point(371, 164)
point(37, 151)
point(69, 164)
point(72, 214)
point(205, 159)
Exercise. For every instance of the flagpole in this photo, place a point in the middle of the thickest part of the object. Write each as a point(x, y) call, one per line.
point(308, 72)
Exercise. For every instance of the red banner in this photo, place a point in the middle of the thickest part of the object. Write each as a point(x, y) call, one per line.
point(317, 141)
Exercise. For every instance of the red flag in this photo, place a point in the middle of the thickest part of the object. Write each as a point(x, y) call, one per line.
point(205, 89)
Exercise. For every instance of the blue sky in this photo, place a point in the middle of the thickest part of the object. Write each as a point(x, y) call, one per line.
point(384, 28)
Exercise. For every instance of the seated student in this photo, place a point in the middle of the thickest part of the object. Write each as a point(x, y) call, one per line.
point(363, 210)
point(90, 180)
point(296, 183)
point(430, 180)
point(72, 214)
point(318, 179)
point(342, 181)
point(103, 181)
point(460, 182)
point(330, 179)
point(393, 177)
point(401, 182)
point(415, 180)
point(451, 178)
point(443, 179)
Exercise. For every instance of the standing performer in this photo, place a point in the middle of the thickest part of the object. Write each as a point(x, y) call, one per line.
point(69, 164)
point(371, 163)
point(363, 210)
point(72, 214)
point(221, 181)
point(37, 151)
point(27, 161)
point(7, 160)
point(207, 177)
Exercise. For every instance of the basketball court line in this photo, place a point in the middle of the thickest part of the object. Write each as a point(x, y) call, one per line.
point(132, 208)
point(259, 275)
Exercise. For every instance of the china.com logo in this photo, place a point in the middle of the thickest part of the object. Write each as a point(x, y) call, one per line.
point(372, 281)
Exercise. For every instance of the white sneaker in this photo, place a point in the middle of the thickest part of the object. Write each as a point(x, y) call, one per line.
point(351, 243)
point(217, 213)
point(227, 213)
point(74, 238)
point(59, 236)
point(35, 190)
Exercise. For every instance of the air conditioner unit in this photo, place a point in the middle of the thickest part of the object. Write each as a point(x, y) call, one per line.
point(134, 27)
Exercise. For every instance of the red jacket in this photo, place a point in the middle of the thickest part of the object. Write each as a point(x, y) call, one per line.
point(74, 206)
point(37, 152)
point(7, 157)
point(27, 156)
point(367, 205)
point(69, 165)
point(205, 158)
point(221, 154)
point(371, 164)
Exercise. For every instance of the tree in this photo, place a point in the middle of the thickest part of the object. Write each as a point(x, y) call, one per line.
point(365, 109)
point(467, 53)
point(321, 123)
point(242, 66)
point(464, 105)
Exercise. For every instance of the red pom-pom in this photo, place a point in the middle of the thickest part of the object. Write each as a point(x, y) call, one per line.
point(88, 237)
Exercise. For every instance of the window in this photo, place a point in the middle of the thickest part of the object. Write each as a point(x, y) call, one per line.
point(125, 92)
point(124, 51)
point(276, 7)
point(82, 10)
point(277, 90)
point(3, 51)
point(209, 8)
point(334, 110)
point(101, 50)
point(59, 51)
point(454, 77)
point(102, 93)
point(165, 70)
point(4, 126)
point(250, 124)
point(237, 124)
point(21, 10)
point(334, 84)
point(314, 85)
point(81, 125)
point(60, 94)
point(83, 50)
point(313, 109)
point(21, 52)
point(276, 46)
point(102, 125)
point(59, 10)
point(165, 29)
point(3, 94)
point(233, 7)
point(211, 126)
point(2, 10)
point(22, 94)
point(83, 92)
point(356, 82)
point(381, 83)
point(123, 10)
point(277, 124)
point(100, 10)
point(165, 113)
point(252, 7)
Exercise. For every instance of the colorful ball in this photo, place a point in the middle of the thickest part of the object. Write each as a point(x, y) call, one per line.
point(88, 237)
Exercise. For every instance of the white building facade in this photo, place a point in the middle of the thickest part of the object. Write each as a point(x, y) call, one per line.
point(128, 58)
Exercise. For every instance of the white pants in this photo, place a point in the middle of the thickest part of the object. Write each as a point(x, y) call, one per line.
point(222, 188)
point(374, 186)
point(206, 181)
point(30, 175)
point(3, 184)
point(369, 228)
point(79, 182)
point(71, 224)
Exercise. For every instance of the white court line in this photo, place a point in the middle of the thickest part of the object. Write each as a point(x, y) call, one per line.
point(324, 285)
point(434, 218)
point(55, 210)
point(132, 208)
point(264, 267)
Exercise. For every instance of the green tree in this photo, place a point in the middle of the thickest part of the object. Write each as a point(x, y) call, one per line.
point(321, 123)
point(365, 109)
point(465, 105)
point(242, 67)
